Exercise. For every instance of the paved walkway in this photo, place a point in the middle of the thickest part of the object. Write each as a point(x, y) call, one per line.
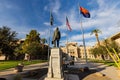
point(110, 71)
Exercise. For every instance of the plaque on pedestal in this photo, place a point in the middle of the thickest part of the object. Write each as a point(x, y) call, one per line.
point(55, 65)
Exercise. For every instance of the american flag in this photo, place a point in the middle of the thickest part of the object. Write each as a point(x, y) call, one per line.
point(67, 23)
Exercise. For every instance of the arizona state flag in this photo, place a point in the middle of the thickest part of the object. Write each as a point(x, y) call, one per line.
point(85, 12)
point(51, 19)
point(67, 23)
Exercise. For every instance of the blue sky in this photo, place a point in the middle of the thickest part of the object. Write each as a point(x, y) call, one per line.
point(23, 15)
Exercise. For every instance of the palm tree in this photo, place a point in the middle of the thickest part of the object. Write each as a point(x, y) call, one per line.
point(96, 31)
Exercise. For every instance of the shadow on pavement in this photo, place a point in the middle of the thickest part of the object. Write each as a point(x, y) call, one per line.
point(79, 72)
point(3, 79)
point(35, 74)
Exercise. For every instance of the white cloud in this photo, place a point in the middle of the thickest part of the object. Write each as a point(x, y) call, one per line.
point(63, 42)
point(80, 37)
point(46, 23)
point(105, 17)
point(54, 6)
point(44, 33)
point(63, 34)
point(91, 43)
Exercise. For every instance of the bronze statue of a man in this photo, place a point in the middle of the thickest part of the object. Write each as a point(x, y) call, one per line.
point(56, 37)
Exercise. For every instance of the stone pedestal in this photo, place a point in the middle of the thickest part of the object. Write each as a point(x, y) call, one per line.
point(55, 65)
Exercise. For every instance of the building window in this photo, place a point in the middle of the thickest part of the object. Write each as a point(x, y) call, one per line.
point(71, 51)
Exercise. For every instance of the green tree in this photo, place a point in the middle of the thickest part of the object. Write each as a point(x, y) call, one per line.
point(32, 45)
point(33, 36)
point(7, 41)
point(101, 50)
point(43, 40)
point(96, 31)
point(19, 54)
point(112, 44)
point(44, 48)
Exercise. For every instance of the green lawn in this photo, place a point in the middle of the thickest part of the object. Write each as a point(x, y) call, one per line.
point(109, 63)
point(11, 64)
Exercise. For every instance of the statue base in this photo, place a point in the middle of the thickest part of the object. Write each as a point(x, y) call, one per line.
point(53, 78)
point(55, 65)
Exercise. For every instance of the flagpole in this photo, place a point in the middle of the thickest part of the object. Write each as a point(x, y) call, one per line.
point(50, 58)
point(67, 44)
point(49, 44)
point(68, 27)
point(49, 38)
point(82, 30)
point(67, 40)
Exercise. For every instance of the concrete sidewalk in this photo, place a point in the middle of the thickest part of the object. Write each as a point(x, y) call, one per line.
point(109, 71)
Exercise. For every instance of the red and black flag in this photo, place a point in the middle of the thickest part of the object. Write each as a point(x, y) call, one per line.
point(51, 19)
point(85, 12)
point(67, 23)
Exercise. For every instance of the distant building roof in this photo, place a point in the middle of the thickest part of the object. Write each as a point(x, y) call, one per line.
point(72, 43)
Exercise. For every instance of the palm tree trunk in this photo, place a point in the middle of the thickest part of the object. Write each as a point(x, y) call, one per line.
point(97, 39)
